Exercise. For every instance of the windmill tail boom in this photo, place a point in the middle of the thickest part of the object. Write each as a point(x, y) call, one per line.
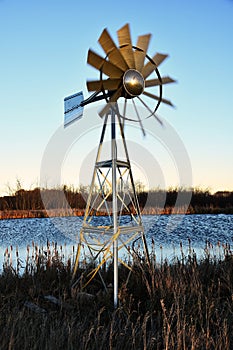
point(95, 97)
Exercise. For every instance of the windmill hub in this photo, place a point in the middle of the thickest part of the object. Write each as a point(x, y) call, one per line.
point(133, 82)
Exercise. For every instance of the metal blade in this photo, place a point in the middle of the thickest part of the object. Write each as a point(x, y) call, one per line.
point(111, 103)
point(106, 41)
point(158, 99)
point(155, 82)
point(139, 56)
point(98, 85)
point(149, 67)
point(125, 44)
point(102, 65)
point(110, 48)
point(139, 119)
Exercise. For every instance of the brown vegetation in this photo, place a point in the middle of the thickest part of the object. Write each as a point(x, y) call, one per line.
point(71, 202)
point(187, 304)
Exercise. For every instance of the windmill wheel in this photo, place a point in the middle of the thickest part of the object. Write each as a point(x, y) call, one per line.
point(124, 74)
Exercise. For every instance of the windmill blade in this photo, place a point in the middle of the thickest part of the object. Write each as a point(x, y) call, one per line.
point(98, 85)
point(139, 55)
point(111, 103)
point(106, 41)
point(101, 64)
point(125, 44)
point(139, 119)
point(110, 48)
point(155, 82)
point(158, 98)
point(149, 67)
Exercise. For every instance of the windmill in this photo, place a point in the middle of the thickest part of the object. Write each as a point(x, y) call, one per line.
point(125, 81)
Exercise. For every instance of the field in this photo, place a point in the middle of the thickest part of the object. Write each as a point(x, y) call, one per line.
point(186, 304)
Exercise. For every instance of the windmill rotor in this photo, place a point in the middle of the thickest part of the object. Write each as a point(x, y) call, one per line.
point(125, 75)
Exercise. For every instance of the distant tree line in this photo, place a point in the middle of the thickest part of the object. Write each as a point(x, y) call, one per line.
point(202, 201)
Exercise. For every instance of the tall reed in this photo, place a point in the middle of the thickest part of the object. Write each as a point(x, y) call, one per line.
point(181, 305)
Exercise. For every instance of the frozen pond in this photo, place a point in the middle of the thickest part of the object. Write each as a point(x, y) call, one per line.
point(167, 232)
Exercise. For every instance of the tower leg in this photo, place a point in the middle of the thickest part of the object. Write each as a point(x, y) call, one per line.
point(90, 193)
point(114, 208)
point(133, 187)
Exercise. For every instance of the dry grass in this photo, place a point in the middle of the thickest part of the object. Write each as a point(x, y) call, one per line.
point(40, 213)
point(187, 304)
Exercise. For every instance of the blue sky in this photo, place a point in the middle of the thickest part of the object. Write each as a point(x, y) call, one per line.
point(44, 47)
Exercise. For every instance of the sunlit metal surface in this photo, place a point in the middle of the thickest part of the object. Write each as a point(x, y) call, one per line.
point(133, 82)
